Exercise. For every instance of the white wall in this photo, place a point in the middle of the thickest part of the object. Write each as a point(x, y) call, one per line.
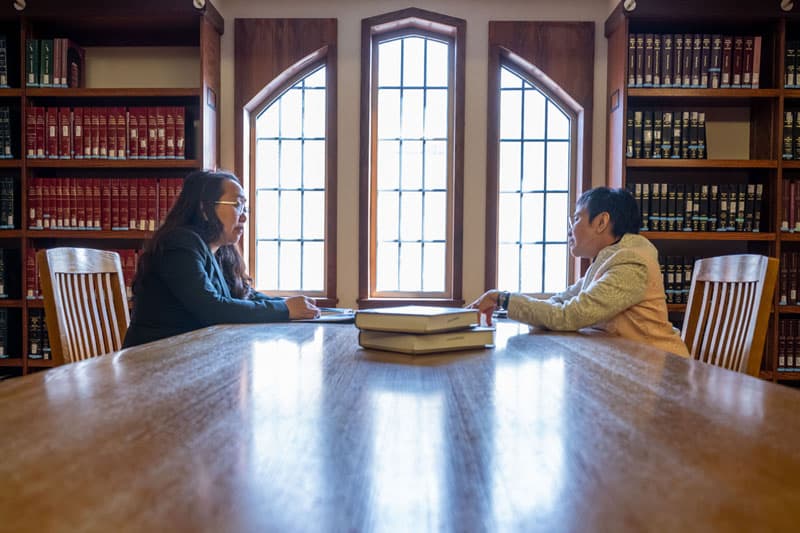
point(477, 13)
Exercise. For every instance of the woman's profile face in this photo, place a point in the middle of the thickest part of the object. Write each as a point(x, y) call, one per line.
point(231, 209)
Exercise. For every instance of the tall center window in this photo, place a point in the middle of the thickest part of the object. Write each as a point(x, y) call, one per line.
point(533, 188)
point(412, 176)
point(290, 189)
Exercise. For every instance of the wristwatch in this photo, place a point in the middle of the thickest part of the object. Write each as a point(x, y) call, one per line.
point(502, 300)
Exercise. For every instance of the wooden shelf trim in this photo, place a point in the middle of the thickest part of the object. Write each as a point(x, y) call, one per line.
point(788, 309)
point(11, 361)
point(676, 308)
point(707, 236)
point(701, 163)
point(189, 92)
point(13, 92)
point(5, 302)
point(41, 363)
point(10, 233)
point(10, 163)
point(667, 92)
point(787, 375)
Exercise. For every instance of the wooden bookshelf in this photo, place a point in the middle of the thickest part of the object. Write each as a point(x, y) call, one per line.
point(758, 158)
point(169, 23)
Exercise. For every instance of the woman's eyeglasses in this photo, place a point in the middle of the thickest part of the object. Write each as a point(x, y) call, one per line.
point(241, 208)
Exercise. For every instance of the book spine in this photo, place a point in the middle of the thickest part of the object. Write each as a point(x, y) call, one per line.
point(736, 70)
point(705, 62)
point(747, 62)
point(51, 125)
point(639, 59)
point(180, 133)
point(666, 60)
point(111, 131)
point(122, 133)
point(632, 60)
point(756, 80)
point(677, 60)
point(727, 61)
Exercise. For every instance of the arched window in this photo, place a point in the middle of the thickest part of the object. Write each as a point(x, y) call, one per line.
point(412, 176)
point(289, 214)
point(538, 154)
point(535, 173)
point(285, 136)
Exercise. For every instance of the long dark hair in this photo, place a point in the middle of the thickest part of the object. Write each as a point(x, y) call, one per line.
point(195, 209)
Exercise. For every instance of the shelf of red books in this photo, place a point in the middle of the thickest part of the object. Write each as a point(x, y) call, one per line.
point(115, 163)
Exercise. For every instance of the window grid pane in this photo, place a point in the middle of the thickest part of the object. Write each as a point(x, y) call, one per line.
point(412, 130)
point(290, 237)
point(537, 177)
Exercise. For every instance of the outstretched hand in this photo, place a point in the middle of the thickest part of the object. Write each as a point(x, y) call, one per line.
point(486, 304)
point(301, 307)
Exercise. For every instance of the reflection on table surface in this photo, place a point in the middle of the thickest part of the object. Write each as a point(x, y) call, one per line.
point(293, 427)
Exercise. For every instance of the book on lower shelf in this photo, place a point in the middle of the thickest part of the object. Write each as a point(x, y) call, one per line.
point(476, 337)
point(416, 319)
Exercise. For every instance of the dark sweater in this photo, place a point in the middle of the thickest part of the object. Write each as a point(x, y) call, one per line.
point(185, 290)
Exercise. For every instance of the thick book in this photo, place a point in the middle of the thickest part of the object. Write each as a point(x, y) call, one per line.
point(464, 339)
point(416, 319)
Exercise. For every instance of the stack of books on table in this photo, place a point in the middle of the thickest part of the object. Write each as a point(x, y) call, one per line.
point(421, 330)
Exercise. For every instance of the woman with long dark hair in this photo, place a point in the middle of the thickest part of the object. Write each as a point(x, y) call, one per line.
point(191, 273)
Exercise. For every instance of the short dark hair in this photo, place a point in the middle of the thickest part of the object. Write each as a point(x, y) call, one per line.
point(618, 203)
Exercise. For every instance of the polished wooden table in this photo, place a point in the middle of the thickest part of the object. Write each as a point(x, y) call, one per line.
point(292, 427)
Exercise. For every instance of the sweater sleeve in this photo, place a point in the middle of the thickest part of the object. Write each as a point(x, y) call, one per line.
point(182, 269)
point(622, 285)
point(567, 294)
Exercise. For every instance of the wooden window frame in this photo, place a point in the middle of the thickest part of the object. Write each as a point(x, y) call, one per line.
point(271, 55)
point(411, 21)
point(520, 46)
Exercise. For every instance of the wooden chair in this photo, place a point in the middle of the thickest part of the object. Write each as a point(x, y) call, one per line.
point(86, 307)
point(728, 311)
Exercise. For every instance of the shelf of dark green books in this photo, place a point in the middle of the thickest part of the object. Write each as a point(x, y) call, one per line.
point(666, 92)
point(708, 236)
point(113, 163)
point(11, 361)
point(41, 363)
point(47, 92)
point(701, 163)
point(5, 302)
point(87, 234)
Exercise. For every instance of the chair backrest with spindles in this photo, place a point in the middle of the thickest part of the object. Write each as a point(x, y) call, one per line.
point(727, 315)
point(86, 308)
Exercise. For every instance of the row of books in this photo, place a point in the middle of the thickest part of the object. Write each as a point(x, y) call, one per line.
point(421, 329)
point(788, 293)
point(791, 135)
point(694, 60)
point(55, 62)
point(676, 272)
point(699, 207)
point(38, 339)
point(665, 134)
point(3, 62)
point(155, 132)
point(789, 345)
point(790, 212)
point(33, 289)
point(9, 277)
point(7, 203)
point(100, 203)
point(5, 133)
point(4, 338)
point(791, 67)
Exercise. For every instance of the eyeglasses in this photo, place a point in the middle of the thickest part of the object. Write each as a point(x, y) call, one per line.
point(241, 208)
